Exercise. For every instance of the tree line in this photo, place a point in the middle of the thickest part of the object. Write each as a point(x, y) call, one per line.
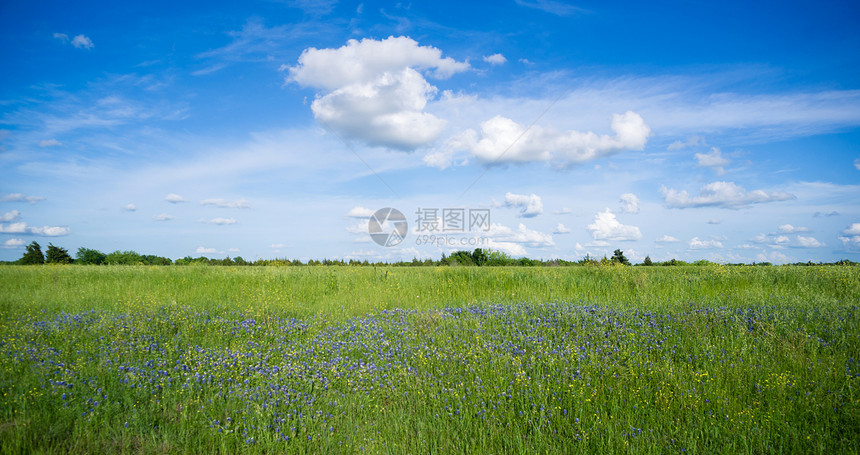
point(477, 258)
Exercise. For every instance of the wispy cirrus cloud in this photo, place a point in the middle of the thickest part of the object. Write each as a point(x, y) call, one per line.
point(255, 43)
point(50, 143)
point(555, 7)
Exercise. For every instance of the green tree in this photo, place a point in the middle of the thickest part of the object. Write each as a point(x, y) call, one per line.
point(124, 258)
point(89, 256)
point(647, 261)
point(461, 258)
point(495, 257)
point(479, 256)
point(618, 256)
point(57, 255)
point(33, 254)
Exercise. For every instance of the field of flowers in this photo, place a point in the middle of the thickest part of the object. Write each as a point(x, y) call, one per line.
point(762, 360)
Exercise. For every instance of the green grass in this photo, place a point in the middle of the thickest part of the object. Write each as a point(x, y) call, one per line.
point(438, 360)
point(342, 292)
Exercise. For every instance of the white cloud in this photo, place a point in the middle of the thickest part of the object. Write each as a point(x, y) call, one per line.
point(857, 164)
point(10, 216)
point(714, 221)
point(233, 250)
point(629, 203)
point(509, 248)
point(204, 250)
point(49, 231)
point(129, 207)
point(364, 61)
point(522, 235)
point(692, 141)
point(225, 203)
point(359, 212)
point(13, 228)
point(606, 227)
point(781, 240)
point(373, 90)
point(746, 246)
point(387, 112)
point(62, 37)
point(789, 229)
point(162, 217)
point(808, 242)
point(495, 59)
point(667, 239)
point(505, 141)
point(13, 243)
point(23, 228)
point(18, 197)
point(726, 195)
point(439, 159)
point(561, 229)
point(761, 238)
point(220, 221)
point(174, 198)
point(696, 244)
point(82, 42)
point(530, 206)
point(775, 257)
point(713, 160)
point(851, 240)
point(49, 143)
point(513, 242)
point(277, 245)
point(854, 229)
point(563, 211)
point(362, 227)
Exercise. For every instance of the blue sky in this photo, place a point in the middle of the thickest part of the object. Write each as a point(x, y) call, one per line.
point(691, 130)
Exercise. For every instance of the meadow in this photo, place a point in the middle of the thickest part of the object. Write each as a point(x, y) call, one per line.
point(137, 359)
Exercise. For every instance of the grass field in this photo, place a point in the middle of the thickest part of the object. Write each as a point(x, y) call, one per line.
point(430, 360)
